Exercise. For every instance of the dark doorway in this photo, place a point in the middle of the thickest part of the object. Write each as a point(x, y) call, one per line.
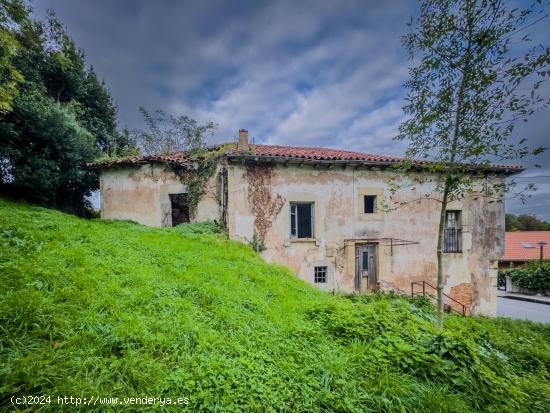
point(180, 209)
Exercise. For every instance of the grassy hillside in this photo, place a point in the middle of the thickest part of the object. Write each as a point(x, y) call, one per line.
point(95, 308)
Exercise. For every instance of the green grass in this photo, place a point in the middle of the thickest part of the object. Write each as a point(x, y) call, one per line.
point(118, 309)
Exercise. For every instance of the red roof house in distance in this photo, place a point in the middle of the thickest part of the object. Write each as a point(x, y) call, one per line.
point(523, 246)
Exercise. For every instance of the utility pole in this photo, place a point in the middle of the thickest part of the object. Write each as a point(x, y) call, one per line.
point(541, 245)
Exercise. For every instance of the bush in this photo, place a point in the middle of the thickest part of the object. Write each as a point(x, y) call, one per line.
point(204, 227)
point(45, 149)
point(533, 276)
point(257, 244)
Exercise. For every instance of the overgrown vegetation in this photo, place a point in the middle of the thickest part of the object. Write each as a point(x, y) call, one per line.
point(526, 223)
point(55, 113)
point(10, 77)
point(195, 178)
point(533, 276)
point(204, 227)
point(257, 244)
point(119, 309)
point(166, 133)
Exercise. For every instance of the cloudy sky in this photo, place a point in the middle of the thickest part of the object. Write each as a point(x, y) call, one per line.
point(308, 73)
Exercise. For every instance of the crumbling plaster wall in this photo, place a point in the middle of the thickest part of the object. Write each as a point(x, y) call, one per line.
point(339, 220)
point(141, 194)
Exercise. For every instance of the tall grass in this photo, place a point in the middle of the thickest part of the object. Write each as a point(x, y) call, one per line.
point(118, 309)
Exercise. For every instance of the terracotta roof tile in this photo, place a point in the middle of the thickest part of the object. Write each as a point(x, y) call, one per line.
point(316, 153)
point(515, 244)
point(326, 154)
point(282, 152)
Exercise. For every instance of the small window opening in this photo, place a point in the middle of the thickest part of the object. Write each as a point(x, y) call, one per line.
point(369, 204)
point(180, 209)
point(365, 261)
point(453, 232)
point(320, 275)
point(301, 219)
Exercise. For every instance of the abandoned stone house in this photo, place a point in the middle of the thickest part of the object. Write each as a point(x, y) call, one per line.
point(319, 212)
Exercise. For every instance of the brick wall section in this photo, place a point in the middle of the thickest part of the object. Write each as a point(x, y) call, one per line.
point(463, 294)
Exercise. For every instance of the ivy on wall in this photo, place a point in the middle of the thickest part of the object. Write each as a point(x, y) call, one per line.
point(202, 166)
point(264, 205)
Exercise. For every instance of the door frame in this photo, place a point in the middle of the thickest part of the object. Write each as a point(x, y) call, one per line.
point(179, 207)
point(368, 282)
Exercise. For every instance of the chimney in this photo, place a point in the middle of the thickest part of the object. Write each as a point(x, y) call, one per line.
point(242, 145)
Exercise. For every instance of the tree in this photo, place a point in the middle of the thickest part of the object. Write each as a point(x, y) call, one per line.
point(466, 92)
point(12, 13)
point(49, 59)
point(46, 149)
point(62, 118)
point(67, 80)
point(525, 223)
point(98, 115)
point(167, 133)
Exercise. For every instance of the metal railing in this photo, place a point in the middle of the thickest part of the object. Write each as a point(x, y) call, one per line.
point(452, 240)
point(460, 308)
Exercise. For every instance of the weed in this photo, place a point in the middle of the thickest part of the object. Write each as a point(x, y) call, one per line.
point(118, 309)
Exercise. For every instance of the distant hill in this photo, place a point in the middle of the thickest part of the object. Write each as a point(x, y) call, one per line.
point(526, 223)
point(98, 309)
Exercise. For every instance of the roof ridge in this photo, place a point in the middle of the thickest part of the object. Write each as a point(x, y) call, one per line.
point(325, 148)
point(290, 153)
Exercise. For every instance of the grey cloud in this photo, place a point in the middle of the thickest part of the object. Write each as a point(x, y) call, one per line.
point(324, 73)
point(537, 131)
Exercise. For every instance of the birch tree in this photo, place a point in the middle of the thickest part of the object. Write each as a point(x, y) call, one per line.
point(476, 73)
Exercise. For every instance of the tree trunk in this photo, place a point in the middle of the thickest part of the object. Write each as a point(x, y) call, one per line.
point(440, 245)
point(447, 188)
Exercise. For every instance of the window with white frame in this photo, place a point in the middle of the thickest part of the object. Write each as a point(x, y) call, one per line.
point(301, 220)
point(320, 275)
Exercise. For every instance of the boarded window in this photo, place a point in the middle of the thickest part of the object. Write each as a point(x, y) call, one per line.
point(180, 209)
point(369, 204)
point(301, 219)
point(320, 275)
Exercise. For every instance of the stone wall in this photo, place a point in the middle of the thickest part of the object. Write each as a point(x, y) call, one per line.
point(259, 197)
point(340, 225)
point(141, 194)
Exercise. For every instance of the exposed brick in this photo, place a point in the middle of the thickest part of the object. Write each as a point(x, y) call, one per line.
point(463, 294)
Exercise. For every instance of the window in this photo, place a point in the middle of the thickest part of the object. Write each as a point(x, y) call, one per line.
point(301, 219)
point(369, 202)
point(452, 232)
point(320, 275)
point(365, 261)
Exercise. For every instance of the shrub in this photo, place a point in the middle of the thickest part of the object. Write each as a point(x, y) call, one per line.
point(204, 227)
point(257, 243)
point(533, 276)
